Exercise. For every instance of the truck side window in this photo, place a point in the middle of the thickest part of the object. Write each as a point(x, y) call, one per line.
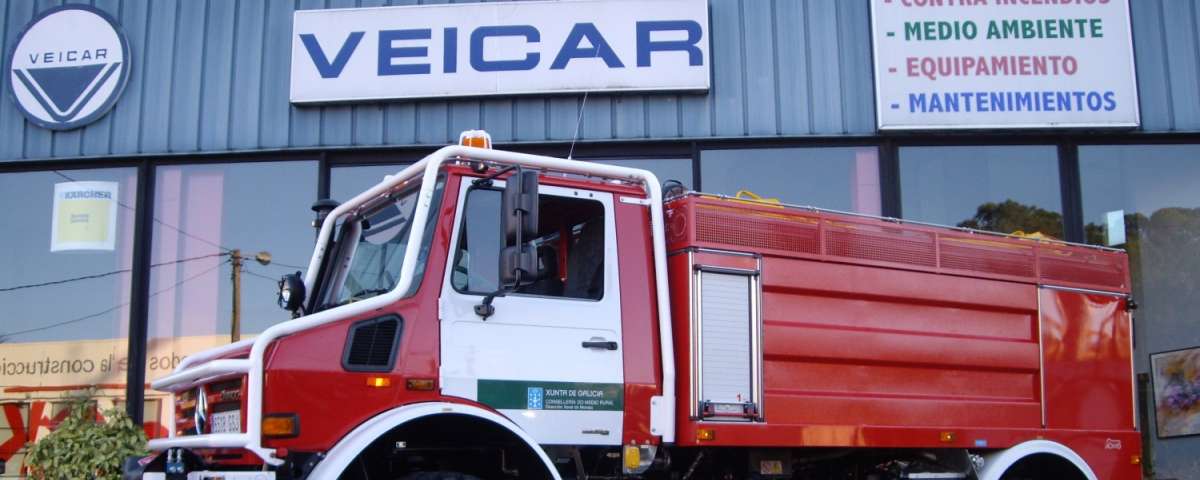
point(570, 246)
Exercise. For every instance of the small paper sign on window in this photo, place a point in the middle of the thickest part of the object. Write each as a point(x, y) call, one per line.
point(1114, 228)
point(85, 216)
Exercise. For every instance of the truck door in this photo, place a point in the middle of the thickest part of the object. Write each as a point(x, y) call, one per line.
point(549, 358)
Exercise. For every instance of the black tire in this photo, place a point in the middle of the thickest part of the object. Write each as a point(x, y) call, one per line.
point(439, 476)
point(1043, 466)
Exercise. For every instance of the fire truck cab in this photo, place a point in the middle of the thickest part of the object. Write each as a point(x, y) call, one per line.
point(490, 314)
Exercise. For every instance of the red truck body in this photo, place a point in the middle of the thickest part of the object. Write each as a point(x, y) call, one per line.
point(867, 334)
point(880, 334)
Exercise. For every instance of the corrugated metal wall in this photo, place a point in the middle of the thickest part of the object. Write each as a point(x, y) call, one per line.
point(1166, 45)
point(212, 75)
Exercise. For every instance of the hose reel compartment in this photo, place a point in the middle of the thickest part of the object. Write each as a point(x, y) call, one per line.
point(726, 335)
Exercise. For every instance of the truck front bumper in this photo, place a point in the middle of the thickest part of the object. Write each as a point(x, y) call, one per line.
point(184, 465)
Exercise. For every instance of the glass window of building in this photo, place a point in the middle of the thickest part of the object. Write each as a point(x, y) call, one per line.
point(65, 283)
point(346, 182)
point(1144, 198)
point(839, 178)
point(679, 169)
point(997, 188)
point(203, 213)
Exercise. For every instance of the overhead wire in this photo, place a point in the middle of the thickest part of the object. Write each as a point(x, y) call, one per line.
point(106, 274)
point(285, 265)
point(8, 335)
point(252, 273)
point(158, 221)
point(224, 251)
point(180, 230)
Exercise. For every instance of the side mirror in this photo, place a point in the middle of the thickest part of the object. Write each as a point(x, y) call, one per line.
point(519, 208)
point(518, 264)
point(519, 223)
point(291, 293)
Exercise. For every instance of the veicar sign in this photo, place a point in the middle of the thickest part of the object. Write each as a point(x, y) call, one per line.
point(942, 64)
point(68, 67)
point(502, 48)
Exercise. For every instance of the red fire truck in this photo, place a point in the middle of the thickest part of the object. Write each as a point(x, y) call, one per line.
point(490, 314)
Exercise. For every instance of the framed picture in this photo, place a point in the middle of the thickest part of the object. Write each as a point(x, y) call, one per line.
point(1176, 376)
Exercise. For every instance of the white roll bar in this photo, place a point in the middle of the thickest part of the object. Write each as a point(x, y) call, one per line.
point(662, 407)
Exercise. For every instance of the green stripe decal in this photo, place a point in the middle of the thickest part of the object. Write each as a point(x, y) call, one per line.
point(535, 395)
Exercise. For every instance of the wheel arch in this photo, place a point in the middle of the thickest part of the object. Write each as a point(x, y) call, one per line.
point(350, 446)
point(996, 464)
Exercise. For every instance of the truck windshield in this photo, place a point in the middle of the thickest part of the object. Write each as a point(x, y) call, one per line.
point(367, 255)
point(379, 253)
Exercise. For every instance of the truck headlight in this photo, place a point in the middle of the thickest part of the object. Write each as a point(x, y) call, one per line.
point(291, 292)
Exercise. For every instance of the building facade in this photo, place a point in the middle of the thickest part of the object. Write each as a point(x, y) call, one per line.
point(203, 160)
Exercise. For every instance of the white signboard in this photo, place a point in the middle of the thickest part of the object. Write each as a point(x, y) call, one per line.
point(85, 216)
point(504, 48)
point(954, 64)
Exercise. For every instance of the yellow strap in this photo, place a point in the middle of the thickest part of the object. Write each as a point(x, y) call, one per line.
point(1032, 235)
point(748, 195)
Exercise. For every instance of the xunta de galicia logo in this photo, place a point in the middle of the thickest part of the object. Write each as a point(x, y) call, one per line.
point(68, 67)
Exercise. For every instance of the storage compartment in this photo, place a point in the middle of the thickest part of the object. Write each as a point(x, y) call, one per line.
point(727, 339)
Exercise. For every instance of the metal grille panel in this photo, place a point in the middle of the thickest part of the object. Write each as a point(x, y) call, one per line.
point(801, 232)
point(371, 345)
point(1063, 265)
point(748, 228)
point(979, 255)
point(884, 244)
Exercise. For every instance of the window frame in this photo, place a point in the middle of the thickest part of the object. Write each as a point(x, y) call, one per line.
point(453, 255)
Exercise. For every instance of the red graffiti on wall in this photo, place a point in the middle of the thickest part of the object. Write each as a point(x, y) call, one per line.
point(23, 433)
point(12, 416)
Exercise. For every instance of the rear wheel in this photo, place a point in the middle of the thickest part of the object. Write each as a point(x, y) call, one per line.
point(439, 476)
point(1043, 466)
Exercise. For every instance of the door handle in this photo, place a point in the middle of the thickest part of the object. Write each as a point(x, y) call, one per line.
point(600, 345)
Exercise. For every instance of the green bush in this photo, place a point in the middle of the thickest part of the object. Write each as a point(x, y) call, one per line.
point(84, 448)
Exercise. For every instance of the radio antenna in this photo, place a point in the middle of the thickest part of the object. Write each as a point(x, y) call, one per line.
point(582, 105)
point(578, 121)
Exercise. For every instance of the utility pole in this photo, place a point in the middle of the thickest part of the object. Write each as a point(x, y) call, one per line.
point(235, 260)
point(235, 330)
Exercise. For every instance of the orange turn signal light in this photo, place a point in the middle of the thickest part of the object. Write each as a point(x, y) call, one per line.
point(1135, 460)
point(633, 457)
point(706, 434)
point(946, 437)
point(379, 382)
point(423, 384)
point(281, 425)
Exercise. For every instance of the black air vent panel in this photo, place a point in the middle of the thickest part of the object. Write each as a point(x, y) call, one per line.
point(371, 345)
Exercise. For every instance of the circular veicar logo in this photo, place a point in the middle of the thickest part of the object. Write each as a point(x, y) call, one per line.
point(68, 67)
